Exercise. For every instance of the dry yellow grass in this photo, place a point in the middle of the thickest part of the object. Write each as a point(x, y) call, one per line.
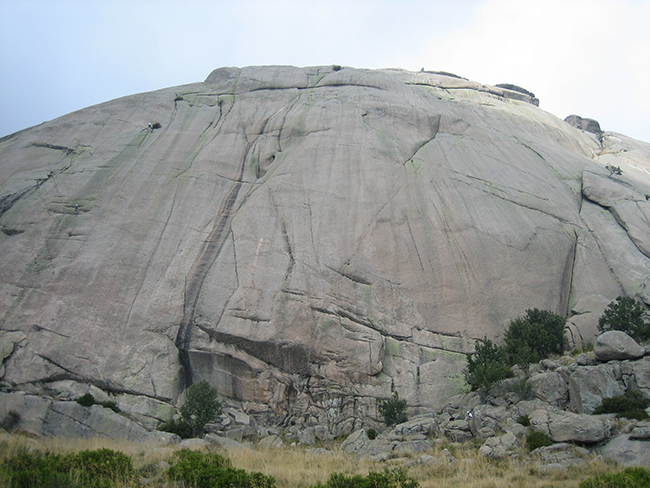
point(296, 468)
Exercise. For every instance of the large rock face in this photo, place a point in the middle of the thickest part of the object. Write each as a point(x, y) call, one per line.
point(307, 240)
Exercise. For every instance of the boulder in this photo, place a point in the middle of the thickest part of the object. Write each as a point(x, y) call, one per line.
point(426, 425)
point(588, 385)
point(562, 426)
point(271, 442)
point(549, 387)
point(194, 444)
point(356, 441)
point(626, 451)
point(588, 125)
point(498, 447)
point(616, 345)
point(224, 442)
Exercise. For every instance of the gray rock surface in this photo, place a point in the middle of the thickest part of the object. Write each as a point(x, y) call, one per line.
point(304, 238)
point(626, 452)
point(564, 426)
point(498, 447)
point(615, 344)
point(588, 385)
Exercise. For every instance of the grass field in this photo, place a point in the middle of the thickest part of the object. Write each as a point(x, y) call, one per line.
point(298, 468)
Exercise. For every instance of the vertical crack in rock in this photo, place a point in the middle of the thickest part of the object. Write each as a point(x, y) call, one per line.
point(567, 278)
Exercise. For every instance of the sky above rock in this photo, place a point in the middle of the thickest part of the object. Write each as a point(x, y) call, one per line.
point(585, 57)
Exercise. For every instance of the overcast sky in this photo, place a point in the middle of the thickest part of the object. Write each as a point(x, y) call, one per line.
point(588, 57)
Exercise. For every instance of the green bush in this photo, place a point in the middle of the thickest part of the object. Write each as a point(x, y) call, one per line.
point(393, 410)
point(630, 405)
point(372, 434)
point(628, 478)
point(177, 427)
point(537, 439)
point(201, 406)
point(100, 468)
point(11, 420)
point(388, 478)
point(625, 314)
point(206, 470)
point(524, 420)
point(536, 336)
point(86, 400)
point(487, 365)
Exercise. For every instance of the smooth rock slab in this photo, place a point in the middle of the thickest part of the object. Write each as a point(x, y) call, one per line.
point(627, 452)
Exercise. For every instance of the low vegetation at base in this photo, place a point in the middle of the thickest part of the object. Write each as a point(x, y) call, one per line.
point(628, 478)
point(630, 405)
point(289, 467)
point(208, 470)
point(99, 468)
point(537, 439)
point(393, 410)
point(625, 314)
point(395, 478)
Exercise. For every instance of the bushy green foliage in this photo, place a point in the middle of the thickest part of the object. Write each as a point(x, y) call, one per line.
point(537, 439)
point(177, 427)
point(10, 421)
point(88, 400)
point(630, 405)
point(102, 468)
point(201, 406)
point(372, 434)
point(524, 420)
point(393, 410)
point(625, 314)
point(536, 336)
point(388, 478)
point(487, 365)
point(207, 470)
point(628, 478)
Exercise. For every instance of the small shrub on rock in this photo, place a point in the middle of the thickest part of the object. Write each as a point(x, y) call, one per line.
point(628, 478)
point(625, 314)
point(388, 478)
point(630, 405)
point(372, 434)
point(86, 400)
point(393, 410)
point(487, 365)
point(524, 420)
point(177, 427)
point(537, 439)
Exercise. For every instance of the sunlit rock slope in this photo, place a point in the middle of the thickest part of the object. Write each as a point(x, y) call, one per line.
point(306, 239)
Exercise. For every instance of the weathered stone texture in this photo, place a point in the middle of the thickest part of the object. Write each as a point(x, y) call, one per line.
point(305, 239)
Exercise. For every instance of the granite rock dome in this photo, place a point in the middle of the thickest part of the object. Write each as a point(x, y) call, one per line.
point(306, 239)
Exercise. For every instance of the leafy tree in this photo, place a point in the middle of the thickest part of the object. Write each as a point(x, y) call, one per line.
point(487, 365)
point(625, 314)
point(393, 410)
point(536, 336)
point(201, 406)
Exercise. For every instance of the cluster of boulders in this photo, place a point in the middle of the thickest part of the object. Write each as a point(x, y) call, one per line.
point(557, 398)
